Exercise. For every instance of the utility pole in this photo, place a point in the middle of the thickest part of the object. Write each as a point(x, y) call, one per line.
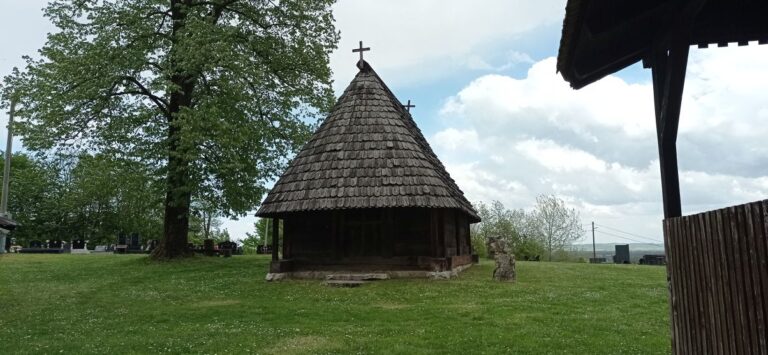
point(594, 250)
point(7, 173)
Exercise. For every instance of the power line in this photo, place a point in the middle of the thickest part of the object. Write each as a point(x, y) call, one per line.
point(628, 233)
point(625, 238)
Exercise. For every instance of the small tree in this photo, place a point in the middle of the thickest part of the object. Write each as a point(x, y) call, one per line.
point(555, 223)
point(498, 221)
point(262, 232)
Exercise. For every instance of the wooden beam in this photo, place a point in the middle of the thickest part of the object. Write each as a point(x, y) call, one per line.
point(669, 66)
point(275, 239)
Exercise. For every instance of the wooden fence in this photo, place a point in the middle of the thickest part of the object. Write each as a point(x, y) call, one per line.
point(717, 267)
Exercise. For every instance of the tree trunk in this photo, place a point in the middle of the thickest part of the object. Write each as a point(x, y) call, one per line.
point(177, 202)
point(179, 192)
point(208, 219)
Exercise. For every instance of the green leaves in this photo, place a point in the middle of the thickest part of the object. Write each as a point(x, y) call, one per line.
point(550, 226)
point(91, 197)
point(253, 77)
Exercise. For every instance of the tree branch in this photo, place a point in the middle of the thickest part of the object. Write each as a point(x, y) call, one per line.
point(159, 101)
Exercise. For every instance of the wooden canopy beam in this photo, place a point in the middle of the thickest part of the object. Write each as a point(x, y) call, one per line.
point(669, 60)
point(668, 70)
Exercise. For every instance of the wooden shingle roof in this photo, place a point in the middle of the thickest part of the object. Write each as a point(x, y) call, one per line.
point(368, 153)
point(7, 224)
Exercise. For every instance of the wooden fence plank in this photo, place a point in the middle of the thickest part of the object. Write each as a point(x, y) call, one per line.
point(689, 302)
point(718, 284)
point(747, 292)
point(715, 220)
point(671, 289)
point(754, 276)
point(737, 283)
point(761, 243)
point(679, 286)
point(712, 285)
point(702, 319)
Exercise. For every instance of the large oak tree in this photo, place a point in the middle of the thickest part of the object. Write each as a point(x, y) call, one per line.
point(212, 94)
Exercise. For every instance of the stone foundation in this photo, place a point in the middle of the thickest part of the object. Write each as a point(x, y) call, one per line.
point(380, 275)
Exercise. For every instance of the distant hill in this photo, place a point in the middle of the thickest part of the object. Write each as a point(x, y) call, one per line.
point(606, 250)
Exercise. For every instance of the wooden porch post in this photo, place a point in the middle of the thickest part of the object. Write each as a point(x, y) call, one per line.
point(668, 68)
point(275, 239)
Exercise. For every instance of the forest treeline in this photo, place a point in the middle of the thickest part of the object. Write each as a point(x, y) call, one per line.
point(95, 198)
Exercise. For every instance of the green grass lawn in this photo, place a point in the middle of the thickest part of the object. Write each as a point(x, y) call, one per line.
point(110, 304)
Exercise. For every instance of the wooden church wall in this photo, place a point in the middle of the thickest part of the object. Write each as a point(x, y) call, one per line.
point(462, 235)
point(308, 235)
point(375, 233)
point(455, 232)
point(412, 232)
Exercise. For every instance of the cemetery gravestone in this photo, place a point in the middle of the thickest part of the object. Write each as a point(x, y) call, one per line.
point(122, 244)
point(653, 259)
point(134, 244)
point(208, 247)
point(622, 254)
point(152, 245)
point(227, 248)
point(79, 247)
point(38, 247)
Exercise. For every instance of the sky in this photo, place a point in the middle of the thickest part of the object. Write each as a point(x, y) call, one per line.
point(509, 128)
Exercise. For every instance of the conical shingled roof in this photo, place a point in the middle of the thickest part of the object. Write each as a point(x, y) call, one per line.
point(368, 153)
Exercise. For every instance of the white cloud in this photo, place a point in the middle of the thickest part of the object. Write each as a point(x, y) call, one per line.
point(416, 40)
point(453, 139)
point(512, 59)
point(558, 158)
point(596, 147)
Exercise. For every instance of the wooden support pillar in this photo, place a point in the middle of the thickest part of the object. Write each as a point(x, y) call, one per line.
point(668, 66)
point(275, 239)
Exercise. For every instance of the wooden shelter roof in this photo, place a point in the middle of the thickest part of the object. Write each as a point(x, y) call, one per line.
point(7, 223)
point(368, 153)
point(601, 37)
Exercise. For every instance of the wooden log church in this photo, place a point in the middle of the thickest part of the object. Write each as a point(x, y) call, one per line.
point(367, 193)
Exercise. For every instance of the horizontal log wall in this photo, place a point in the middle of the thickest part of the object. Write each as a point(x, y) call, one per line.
point(718, 278)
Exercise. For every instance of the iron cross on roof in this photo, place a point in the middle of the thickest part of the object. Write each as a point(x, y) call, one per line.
point(408, 106)
point(361, 50)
